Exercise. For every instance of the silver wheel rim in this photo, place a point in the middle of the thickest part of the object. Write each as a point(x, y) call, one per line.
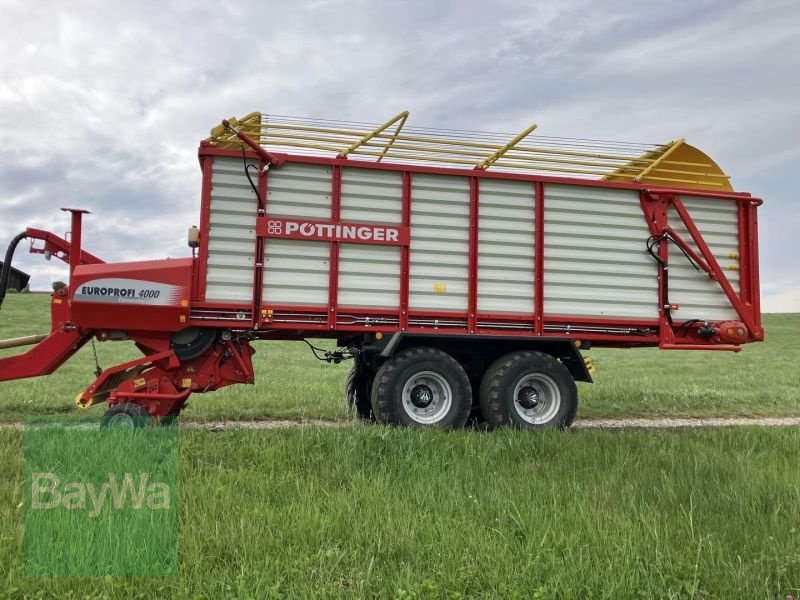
point(427, 397)
point(537, 398)
point(122, 421)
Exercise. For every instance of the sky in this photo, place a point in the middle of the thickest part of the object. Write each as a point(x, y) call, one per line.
point(103, 104)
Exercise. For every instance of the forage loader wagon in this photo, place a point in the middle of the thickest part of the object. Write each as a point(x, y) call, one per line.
point(461, 271)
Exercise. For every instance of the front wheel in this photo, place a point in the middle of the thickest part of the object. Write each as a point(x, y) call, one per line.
point(528, 390)
point(422, 387)
point(126, 415)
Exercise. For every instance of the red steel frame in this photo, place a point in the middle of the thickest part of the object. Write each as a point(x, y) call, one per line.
point(161, 381)
point(331, 321)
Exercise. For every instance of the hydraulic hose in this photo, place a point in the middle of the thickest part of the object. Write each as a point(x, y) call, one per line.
point(6, 272)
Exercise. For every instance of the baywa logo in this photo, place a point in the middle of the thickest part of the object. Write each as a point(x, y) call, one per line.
point(99, 501)
point(48, 492)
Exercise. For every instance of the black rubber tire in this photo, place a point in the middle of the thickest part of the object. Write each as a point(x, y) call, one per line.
point(498, 385)
point(387, 389)
point(139, 417)
point(192, 342)
point(357, 393)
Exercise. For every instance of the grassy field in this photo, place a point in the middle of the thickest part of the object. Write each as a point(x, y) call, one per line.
point(375, 512)
point(370, 512)
point(763, 379)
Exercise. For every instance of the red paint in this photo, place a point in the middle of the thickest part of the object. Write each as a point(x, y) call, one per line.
point(207, 166)
point(538, 258)
point(57, 246)
point(171, 314)
point(472, 282)
point(333, 279)
point(755, 285)
point(405, 251)
point(688, 249)
point(75, 235)
point(268, 157)
point(716, 271)
point(258, 272)
point(655, 212)
point(162, 382)
point(330, 231)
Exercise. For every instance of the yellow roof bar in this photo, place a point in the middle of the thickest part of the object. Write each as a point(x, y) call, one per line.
point(673, 162)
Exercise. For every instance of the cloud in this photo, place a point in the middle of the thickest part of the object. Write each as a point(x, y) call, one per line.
point(781, 296)
point(102, 105)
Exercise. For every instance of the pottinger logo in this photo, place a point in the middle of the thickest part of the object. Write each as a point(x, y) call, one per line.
point(362, 233)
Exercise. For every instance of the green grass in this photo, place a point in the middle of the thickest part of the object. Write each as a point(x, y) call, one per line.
point(371, 512)
point(375, 512)
point(79, 509)
point(762, 380)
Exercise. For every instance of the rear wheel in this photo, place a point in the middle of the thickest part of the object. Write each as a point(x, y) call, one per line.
point(422, 387)
point(357, 392)
point(528, 390)
point(126, 415)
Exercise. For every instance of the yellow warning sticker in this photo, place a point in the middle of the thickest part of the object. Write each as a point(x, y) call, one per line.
point(137, 383)
point(439, 288)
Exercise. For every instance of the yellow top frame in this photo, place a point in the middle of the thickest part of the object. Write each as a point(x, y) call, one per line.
point(673, 163)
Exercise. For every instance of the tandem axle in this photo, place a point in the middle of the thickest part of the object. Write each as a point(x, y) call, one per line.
point(463, 275)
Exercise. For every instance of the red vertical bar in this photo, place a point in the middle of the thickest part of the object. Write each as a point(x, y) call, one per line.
point(75, 235)
point(755, 286)
point(667, 334)
point(333, 280)
point(405, 252)
point(538, 258)
point(258, 263)
point(654, 209)
point(472, 289)
point(744, 256)
point(205, 228)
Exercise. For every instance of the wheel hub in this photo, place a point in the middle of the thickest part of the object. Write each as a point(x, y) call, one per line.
point(421, 396)
point(528, 398)
point(122, 422)
point(537, 398)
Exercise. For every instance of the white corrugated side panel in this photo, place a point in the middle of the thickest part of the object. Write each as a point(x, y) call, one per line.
point(697, 296)
point(232, 234)
point(439, 256)
point(369, 274)
point(297, 190)
point(596, 263)
point(506, 246)
point(297, 271)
